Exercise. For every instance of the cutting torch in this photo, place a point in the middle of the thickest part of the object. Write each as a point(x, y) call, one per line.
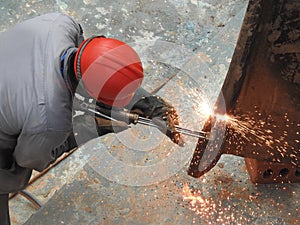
point(134, 118)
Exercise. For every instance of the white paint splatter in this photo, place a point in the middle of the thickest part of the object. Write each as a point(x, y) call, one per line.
point(195, 2)
point(102, 10)
point(202, 6)
point(100, 26)
point(62, 5)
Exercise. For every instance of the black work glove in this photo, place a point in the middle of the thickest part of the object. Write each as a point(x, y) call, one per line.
point(162, 114)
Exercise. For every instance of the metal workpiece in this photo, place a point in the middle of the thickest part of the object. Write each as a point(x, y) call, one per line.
point(266, 102)
point(262, 104)
point(207, 152)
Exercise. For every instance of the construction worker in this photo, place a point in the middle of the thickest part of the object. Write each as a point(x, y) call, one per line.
point(42, 61)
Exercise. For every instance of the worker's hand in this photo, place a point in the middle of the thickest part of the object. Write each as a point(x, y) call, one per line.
point(162, 114)
point(105, 126)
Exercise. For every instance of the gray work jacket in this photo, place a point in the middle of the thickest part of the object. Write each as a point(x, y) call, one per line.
point(35, 103)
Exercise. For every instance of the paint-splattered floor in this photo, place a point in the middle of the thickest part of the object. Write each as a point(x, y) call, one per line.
point(196, 40)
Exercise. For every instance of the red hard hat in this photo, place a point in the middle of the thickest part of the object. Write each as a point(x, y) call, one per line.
point(110, 69)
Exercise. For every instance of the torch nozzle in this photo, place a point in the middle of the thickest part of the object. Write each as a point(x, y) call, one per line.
point(193, 133)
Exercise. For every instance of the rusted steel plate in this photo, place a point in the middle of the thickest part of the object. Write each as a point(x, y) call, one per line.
point(262, 103)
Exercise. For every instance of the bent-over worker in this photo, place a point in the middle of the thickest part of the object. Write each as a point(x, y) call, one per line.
point(42, 61)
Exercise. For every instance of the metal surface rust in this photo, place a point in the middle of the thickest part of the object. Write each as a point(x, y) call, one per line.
point(262, 102)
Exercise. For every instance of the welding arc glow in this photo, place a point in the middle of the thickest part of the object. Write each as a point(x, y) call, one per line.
point(205, 109)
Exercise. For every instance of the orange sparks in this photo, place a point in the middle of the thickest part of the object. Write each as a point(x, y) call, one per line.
point(202, 207)
point(194, 198)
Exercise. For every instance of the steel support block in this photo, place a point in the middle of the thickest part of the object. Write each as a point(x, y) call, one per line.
point(262, 92)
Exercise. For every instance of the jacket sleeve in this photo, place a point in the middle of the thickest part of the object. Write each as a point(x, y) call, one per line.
point(37, 151)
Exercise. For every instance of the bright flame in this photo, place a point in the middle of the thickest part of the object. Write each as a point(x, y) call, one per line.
point(205, 109)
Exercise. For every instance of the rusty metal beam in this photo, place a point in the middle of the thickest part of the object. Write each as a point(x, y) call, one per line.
point(258, 93)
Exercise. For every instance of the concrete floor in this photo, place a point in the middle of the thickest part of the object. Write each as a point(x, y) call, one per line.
point(145, 182)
